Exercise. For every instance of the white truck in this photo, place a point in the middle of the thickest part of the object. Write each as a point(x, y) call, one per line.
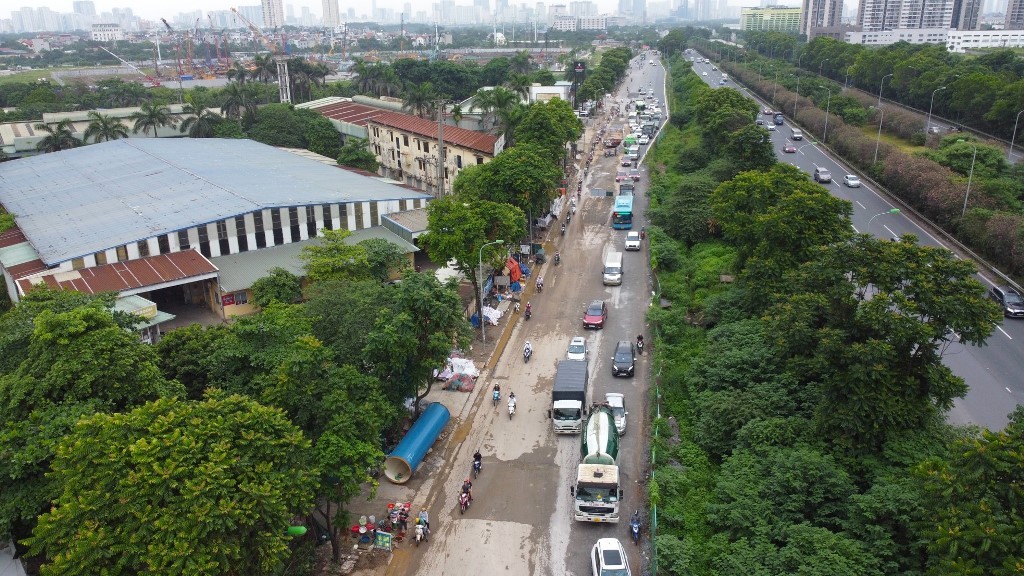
point(597, 493)
point(569, 396)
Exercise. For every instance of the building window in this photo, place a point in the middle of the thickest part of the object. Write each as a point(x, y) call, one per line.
point(405, 139)
point(122, 253)
point(374, 214)
point(163, 243)
point(101, 258)
point(143, 248)
point(241, 297)
point(182, 240)
point(222, 230)
point(257, 222)
point(479, 159)
point(243, 240)
point(204, 241)
point(458, 160)
point(328, 221)
point(343, 216)
point(77, 263)
point(310, 222)
point(426, 148)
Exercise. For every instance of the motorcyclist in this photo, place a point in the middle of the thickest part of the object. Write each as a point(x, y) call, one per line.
point(477, 457)
point(558, 256)
point(528, 349)
point(424, 518)
point(640, 341)
point(467, 488)
point(529, 310)
point(512, 400)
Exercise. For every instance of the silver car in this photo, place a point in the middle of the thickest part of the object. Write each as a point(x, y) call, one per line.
point(577, 349)
point(618, 404)
point(851, 181)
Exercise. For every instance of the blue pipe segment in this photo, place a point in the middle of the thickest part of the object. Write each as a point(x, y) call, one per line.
point(407, 456)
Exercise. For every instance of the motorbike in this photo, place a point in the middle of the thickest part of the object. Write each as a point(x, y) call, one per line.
point(563, 229)
point(640, 346)
point(528, 313)
point(527, 352)
point(568, 218)
point(634, 527)
point(496, 396)
point(464, 502)
point(511, 408)
point(540, 279)
point(478, 465)
point(421, 533)
point(558, 258)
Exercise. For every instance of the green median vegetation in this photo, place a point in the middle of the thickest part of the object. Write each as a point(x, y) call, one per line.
point(800, 421)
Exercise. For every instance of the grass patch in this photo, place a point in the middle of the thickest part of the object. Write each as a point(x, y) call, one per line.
point(28, 76)
point(891, 140)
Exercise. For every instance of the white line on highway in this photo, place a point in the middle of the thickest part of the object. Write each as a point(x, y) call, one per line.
point(985, 278)
point(1007, 389)
point(894, 235)
point(858, 204)
point(1000, 328)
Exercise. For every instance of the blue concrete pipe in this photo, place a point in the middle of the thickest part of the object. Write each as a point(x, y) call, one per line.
point(407, 456)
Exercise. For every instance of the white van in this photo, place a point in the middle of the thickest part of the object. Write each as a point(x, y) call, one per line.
point(613, 269)
point(633, 152)
point(796, 134)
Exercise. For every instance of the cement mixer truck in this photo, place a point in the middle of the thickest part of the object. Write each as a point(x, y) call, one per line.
point(597, 493)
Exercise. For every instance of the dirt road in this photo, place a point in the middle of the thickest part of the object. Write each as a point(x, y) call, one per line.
point(521, 520)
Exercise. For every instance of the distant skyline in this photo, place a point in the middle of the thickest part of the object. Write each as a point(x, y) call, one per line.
point(156, 9)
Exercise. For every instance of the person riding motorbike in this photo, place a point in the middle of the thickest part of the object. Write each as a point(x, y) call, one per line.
point(563, 229)
point(558, 257)
point(528, 348)
point(640, 343)
point(467, 488)
point(529, 309)
point(540, 279)
point(512, 400)
point(424, 518)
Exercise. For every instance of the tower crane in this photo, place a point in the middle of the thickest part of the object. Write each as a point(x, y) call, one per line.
point(152, 80)
point(177, 47)
point(283, 79)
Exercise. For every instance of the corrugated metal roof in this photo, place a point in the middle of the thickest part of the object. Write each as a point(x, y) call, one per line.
point(85, 200)
point(345, 110)
point(480, 141)
point(130, 275)
point(239, 271)
point(414, 221)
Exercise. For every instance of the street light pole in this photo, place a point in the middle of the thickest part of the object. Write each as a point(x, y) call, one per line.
point(1009, 155)
point(879, 136)
point(969, 178)
point(480, 263)
point(776, 87)
point(828, 104)
point(880, 86)
point(932, 103)
point(822, 64)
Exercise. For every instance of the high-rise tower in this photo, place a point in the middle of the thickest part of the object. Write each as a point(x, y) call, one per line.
point(273, 13)
point(332, 17)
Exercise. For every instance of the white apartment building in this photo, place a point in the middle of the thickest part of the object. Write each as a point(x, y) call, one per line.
point(955, 40)
point(107, 32)
point(273, 14)
point(593, 23)
point(564, 23)
point(771, 18)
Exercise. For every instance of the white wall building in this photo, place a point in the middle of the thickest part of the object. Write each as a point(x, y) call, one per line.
point(107, 32)
point(955, 40)
point(593, 23)
point(273, 14)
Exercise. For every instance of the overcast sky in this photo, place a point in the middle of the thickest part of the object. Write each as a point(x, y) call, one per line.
point(156, 9)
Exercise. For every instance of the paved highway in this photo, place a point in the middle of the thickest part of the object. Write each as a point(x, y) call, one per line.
point(995, 381)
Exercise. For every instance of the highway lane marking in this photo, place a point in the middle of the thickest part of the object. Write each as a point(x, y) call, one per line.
point(861, 205)
point(1008, 390)
point(894, 235)
point(1000, 328)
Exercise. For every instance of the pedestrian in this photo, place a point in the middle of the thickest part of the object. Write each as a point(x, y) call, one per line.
point(403, 521)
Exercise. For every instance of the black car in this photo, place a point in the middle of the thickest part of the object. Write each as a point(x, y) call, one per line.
point(624, 360)
point(1009, 299)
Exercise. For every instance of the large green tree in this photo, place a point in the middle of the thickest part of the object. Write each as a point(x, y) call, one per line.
point(549, 126)
point(152, 116)
point(458, 229)
point(102, 127)
point(177, 487)
point(78, 362)
point(415, 337)
point(522, 176)
point(334, 258)
point(974, 499)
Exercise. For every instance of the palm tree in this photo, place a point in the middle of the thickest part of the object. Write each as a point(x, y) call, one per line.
point(264, 67)
point(236, 99)
point(151, 117)
point(457, 114)
point(103, 128)
point(520, 84)
point(58, 137)
point(419, 98)
point(238, 73)
point(201, 122)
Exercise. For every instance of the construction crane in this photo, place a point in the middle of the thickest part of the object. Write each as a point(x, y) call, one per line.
point(152, 80)
point(177, 47)
point(283, 79)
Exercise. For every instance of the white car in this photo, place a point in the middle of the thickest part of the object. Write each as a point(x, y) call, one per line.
point(704, 73)
point(618, 403)
point(643, 139)
point(632, 240)
point(608, 558)
point(577, 349)
point(771, 127)
point(851, 181)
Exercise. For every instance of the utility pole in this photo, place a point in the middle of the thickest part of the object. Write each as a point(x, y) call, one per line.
point(440, 148)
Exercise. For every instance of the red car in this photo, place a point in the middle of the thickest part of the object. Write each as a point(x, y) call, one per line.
point(789, 149)
point(595, 315)
point(620, 176)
